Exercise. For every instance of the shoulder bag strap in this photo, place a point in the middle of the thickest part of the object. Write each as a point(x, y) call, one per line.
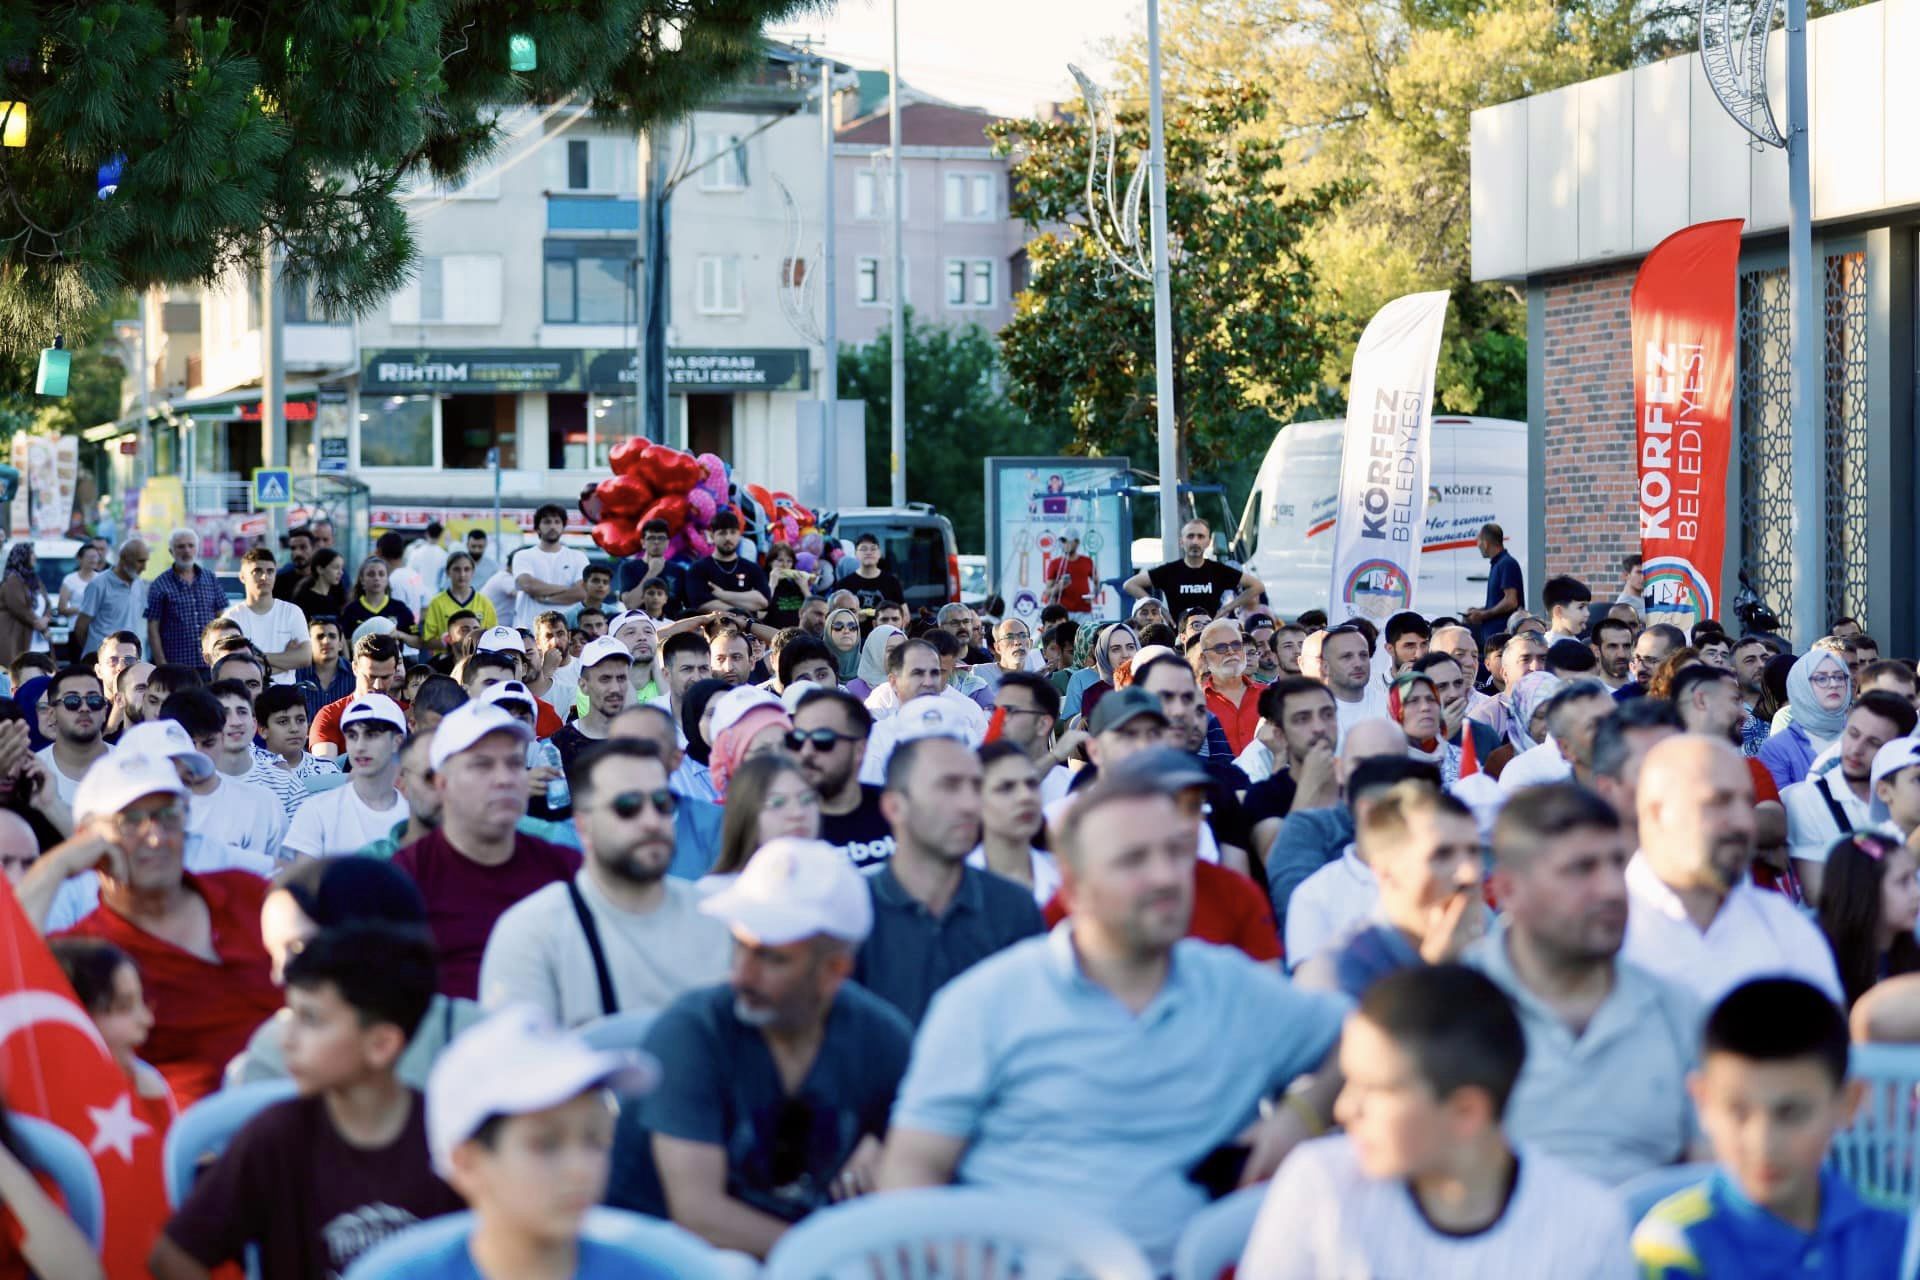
point(1840, 818)
point(608, 1004)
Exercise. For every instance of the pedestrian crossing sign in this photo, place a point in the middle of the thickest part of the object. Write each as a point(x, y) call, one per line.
point(272, 487)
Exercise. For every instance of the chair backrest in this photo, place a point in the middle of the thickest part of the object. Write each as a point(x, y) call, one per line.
point(1217, 1236)
point(51, 1150)
point(1879, 1153)
point(625, 1030)
point(678, 1252)
point(1639, 1195)
point(951, 1231)
point(204, 1129)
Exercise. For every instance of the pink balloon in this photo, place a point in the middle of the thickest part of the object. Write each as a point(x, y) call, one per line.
point(806, 562)
point(697, 542)
point(701, 503)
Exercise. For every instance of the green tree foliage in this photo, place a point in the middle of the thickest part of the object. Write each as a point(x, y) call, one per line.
point(1249, 343)
point(957, 414)
point(302, 124)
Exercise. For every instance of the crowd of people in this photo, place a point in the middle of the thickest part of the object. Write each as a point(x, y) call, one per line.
point(1446, 929)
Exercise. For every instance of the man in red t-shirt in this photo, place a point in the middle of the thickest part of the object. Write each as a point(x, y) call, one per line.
point(376, 669)
point(194, 938)
point(1070, 577)
point(475, 864)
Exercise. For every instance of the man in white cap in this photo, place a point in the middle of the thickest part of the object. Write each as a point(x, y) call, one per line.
point(788, 1035)
point(475, 864)
point(641, 637)
point(194, 935)
point(376, 669)
point(347, 819)
point(505, 642)
point(606, 678)
point(931, 716)
point(621, 935)
point(520, 1123)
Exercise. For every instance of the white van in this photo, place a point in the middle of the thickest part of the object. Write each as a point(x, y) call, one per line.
point(1478, 473)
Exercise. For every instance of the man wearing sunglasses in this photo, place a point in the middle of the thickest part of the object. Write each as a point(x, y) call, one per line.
point(622, 935)
point(606, 675)
point(79, 715)
point(829, 740)
point(1231, 694)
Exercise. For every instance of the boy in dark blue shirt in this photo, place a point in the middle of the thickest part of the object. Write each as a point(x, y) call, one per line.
point(1771, 1091)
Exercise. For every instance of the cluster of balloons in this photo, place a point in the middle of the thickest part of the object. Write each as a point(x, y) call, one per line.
point(655, 482)
point(785, 520)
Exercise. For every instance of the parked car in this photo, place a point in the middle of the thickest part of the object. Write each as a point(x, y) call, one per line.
point(973, 580)
point(916, 546)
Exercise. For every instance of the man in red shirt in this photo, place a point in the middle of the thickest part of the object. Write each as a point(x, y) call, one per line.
point(376, 669)
point(1070, 578)
point(475, 865)
point(194, 938)
point(1232, 694)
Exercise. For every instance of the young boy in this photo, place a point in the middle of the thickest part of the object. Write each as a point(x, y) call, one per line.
point(874, 585)
point(1771, 1090)
point(1567, 600)
point(1424, 1182)
point(280, 712)
point(236, 755)
point(348, 819)
point(521, 1123)
point(318, 1180)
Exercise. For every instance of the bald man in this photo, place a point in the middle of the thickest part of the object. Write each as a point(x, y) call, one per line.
point(1694, 916)
point(1311, 838)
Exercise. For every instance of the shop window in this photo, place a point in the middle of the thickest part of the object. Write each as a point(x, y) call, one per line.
point(471, 425)
point(396, 431)
point(591, 281)
point(577, 422)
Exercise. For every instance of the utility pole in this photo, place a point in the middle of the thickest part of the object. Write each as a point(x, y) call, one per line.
point(1806, 342)
point(830, 339)
point(651, 366)
point(898, 395)
point(273, 381)
point(1162, 297)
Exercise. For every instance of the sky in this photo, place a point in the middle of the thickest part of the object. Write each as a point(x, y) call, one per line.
point(1008, 56)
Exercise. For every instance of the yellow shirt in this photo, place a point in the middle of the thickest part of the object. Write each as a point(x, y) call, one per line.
point(442, 607)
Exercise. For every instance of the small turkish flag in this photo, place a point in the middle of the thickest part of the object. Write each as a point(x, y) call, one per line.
point(1469, 754)
point(53, 1064)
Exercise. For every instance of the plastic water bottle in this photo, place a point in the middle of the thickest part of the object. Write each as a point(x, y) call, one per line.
point(559, 795)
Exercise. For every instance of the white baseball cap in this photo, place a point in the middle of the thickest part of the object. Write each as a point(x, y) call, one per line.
point(373, 627)
point(930, 716)
point(631, 615)
point(466, 724)
point(1151, 652)
point(375, 707)
point(167, 738)
point(514, 1063)
point(122, 776)
point(1891, 758)
point(731, 707)
point(605, 649)
point(795, 889)
point(502, 640)
point(508, 691)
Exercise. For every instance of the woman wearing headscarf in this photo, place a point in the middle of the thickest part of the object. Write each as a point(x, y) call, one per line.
point(28, 698)
point(842, 634)
point(1530, 697)
point(746, 723)
point(873, 661)
point(694, 777)
point(1413, 701)
point(1114, 646)
point(1819, 691)
point(23, 605)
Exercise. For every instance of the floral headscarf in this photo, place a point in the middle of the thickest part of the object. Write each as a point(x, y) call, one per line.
point(20, 561)
point(1532, 693)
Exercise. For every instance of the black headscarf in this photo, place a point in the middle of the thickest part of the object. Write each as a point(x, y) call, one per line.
point(692, 707)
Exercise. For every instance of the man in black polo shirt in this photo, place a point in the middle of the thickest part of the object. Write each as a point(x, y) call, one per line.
point(1195, 582)
point(933, 915)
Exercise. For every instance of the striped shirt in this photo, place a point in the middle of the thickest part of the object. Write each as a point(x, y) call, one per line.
point(271, 772)
point(1322, 1216)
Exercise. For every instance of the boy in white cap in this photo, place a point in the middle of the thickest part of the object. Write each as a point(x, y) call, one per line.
point(347, 819)
point(606, 681)
point(788, 1035)
point(520, 1121)
point(475, 864)
point(1895, 782)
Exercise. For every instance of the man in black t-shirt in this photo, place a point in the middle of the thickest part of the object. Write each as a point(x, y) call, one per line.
point(725, 577)
point(870, 582)
point(1301, 726)
point(1195, 582)
point(832, 729)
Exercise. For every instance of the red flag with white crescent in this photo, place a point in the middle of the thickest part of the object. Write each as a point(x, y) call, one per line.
point(54, 1065)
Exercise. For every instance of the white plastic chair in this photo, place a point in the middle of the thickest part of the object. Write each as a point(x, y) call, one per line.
point(955, 1231)
point(1217, 1236)
point(678, 1252)
point(51, 1150)
point(1879, 1153)
point(204, 1129)
point(1639, 1195)
point(626, 1030)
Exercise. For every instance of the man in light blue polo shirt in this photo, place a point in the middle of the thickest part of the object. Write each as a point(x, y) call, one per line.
point(1609, 1045)
point(1114, 1063)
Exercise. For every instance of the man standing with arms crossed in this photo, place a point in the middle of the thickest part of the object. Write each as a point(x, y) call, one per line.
point(274, 627)
point(547, 576)
point(1195, 582)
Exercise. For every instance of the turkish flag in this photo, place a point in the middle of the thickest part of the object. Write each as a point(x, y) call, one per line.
point(53, 1064)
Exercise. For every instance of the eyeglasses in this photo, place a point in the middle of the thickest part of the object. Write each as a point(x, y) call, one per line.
point(818, 739)
point(172, 817)
point(1020, 711)
point(846, 626)
point(75, 701)
point(1827, 680)
point(628, 804)
point(1227, 648)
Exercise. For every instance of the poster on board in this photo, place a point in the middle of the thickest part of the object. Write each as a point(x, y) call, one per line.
point(1034, 506)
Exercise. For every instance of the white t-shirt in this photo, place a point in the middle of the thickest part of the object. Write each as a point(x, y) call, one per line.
point(1811, 829)
point(1323, 1216)
point(241, 814)
point(565, 686)
point(1327, 904)
point(500, 593)
point(272, 631)
point(1045, 871)
point(339, 822)
point(73, 586)
point(562, 567)
point(1373, 706)
point(429, 560)
point(62, 784)
point(1535, 767)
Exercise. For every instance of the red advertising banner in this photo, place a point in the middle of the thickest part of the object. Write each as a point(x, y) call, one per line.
point(1683, 353)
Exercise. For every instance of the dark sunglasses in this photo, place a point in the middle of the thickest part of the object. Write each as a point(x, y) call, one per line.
point(821, 739)
point(74, 701)
point(628, 804)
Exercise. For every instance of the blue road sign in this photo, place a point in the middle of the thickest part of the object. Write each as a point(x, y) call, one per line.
point(272, 487)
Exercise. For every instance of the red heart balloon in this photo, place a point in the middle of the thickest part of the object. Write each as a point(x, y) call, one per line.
point(624, 496)
point(618, 538)
point(625, 457)
point(671, 471)
point(672, 509)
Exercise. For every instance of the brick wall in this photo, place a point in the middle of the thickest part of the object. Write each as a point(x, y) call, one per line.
point(1591, 515)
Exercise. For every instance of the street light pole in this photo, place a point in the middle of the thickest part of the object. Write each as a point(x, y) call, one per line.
point(897, 397)
point(1806, 343)
point(830, 338)
point(1162, 296)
